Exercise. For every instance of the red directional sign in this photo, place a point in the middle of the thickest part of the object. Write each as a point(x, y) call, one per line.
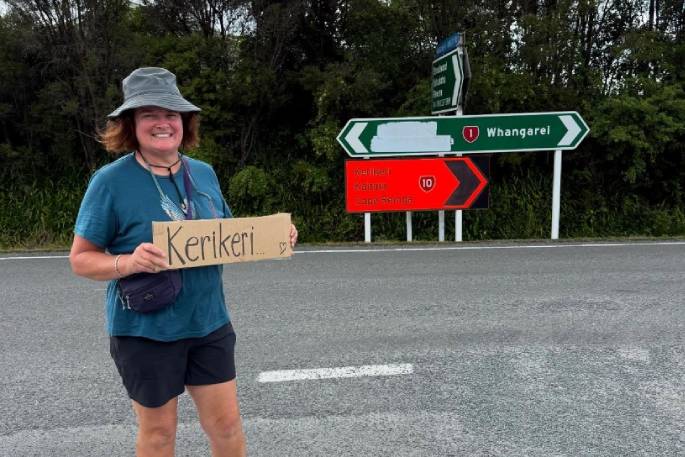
point(414, 184)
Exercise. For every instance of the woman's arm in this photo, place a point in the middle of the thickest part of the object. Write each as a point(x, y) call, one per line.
point(91, 261)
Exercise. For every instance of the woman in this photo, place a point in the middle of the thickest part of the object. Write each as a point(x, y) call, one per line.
point(189, 343)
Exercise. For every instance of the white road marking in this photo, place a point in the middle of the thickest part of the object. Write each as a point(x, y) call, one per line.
point(633, 353)
point(340, 372)
point(36, 257)
point(439, 248)
point(477, 248)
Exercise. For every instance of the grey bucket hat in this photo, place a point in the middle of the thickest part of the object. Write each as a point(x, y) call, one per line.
point(152, 86)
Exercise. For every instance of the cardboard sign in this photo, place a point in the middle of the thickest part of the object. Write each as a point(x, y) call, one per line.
point(196, 243)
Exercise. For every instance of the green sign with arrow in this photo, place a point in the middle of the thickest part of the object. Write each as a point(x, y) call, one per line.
point(447, 83)
point(411, 136)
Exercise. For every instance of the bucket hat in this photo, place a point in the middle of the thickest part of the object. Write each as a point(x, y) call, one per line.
point(152, 86)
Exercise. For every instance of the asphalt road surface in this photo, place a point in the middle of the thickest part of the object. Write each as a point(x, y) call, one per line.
point(476, 350)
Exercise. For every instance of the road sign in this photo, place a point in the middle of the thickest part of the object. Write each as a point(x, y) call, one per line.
point(448, 81)
point(416, 184)
point(449, 43)
point(412, 136)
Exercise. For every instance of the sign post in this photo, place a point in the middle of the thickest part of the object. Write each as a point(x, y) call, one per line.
point(446, 85)
point(367, 225)
point(473, 134)
point(451, 74)
point(409, 230)
point(556, 194)
point(441, 225)
point(457, 214)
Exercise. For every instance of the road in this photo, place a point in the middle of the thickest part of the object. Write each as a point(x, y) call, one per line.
point(547, 349)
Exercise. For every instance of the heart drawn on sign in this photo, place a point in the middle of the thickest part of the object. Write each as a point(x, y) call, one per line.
point(283, 245)
point(470, 133)
point(427, 183)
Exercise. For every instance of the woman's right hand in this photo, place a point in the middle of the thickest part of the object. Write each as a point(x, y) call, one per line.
point(146, 258)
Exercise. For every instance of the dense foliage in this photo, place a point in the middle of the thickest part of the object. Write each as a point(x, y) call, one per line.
point(278, 79)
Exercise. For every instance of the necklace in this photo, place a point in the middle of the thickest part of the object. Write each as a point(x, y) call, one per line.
point(184, 206)
point(168, 167)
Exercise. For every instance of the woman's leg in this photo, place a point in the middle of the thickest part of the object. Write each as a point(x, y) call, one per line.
point(156, 429)
point(217, 406)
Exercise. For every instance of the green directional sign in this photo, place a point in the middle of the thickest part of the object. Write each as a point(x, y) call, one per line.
point(411, 136)
point(447, 83)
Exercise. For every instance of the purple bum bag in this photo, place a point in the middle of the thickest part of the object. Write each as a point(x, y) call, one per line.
point(148, 292)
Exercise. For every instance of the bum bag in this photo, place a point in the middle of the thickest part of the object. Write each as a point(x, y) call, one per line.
point(148, 292)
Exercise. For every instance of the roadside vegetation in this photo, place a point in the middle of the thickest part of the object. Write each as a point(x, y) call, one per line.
point(278, 80)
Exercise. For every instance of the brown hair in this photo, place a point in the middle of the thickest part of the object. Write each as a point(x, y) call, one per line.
point(119, 135)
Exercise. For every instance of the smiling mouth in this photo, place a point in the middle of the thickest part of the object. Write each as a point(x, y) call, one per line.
point(162, 135)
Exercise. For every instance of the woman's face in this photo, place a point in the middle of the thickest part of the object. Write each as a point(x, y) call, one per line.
point(158, 131)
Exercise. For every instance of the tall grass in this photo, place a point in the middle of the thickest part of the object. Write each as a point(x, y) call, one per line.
point(521, 208)
point(41, 215)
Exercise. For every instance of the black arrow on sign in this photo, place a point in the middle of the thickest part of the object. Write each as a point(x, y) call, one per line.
point(468, 182)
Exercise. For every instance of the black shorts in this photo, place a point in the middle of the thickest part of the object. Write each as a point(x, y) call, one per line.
point(154, 372)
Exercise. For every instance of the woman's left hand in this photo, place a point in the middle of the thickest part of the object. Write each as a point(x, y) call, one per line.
point(293, 236)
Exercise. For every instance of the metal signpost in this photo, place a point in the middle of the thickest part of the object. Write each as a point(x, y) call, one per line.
point(451, 74)
point(489, 133)
point(446, 135)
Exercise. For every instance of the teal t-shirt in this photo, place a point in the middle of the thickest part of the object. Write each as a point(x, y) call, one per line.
point(117, 212)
